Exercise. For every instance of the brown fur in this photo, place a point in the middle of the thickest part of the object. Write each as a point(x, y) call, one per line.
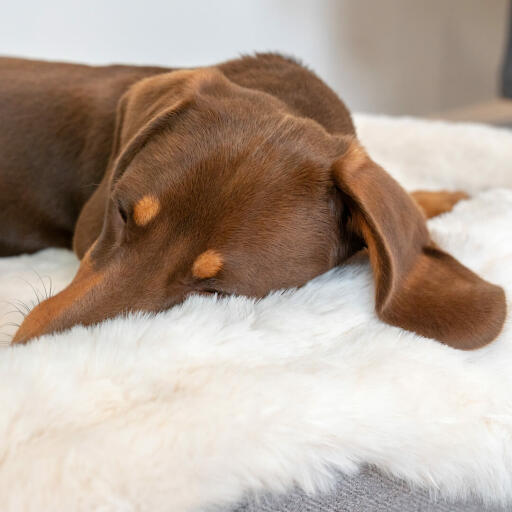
point(255, 157)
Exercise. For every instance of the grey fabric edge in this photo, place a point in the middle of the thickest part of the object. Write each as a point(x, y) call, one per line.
point(367, 491)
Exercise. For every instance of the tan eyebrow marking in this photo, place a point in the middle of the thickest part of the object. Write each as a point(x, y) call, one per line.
point(207, 264)
point(145, 210)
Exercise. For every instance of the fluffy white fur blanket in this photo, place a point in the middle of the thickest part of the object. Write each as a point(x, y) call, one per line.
point(219, 397)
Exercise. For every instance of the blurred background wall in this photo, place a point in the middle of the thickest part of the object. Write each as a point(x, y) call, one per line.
point(390, 56)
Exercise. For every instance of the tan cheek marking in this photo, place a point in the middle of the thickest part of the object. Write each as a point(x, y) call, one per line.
point(207, 264)
point(146, 210)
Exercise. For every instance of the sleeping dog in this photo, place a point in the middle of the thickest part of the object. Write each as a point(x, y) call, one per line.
point(241, 178)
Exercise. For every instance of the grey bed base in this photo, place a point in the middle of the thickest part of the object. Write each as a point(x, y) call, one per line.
point(368, 491)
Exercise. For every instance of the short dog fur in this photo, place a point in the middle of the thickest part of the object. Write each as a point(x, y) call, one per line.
point(240, 178)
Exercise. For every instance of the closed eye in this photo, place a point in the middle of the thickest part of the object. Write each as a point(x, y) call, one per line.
point(122, 213)
point(211, 291)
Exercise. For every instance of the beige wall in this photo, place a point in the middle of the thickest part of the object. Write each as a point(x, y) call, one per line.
point(393, 56)
point(419, 56)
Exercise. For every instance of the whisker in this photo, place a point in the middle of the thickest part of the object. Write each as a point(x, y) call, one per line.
point(8, 339)
point(38, 298)
point(42, 282)
point(18, 305)
point(21, 304)
point(10, 324)
point(17, 311)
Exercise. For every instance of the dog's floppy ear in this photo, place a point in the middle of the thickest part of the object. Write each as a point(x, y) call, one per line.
point(417, 286)
point(151, 104)
point(151, 97)
point(148, 106)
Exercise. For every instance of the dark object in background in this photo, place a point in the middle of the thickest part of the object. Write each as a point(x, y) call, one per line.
point(507, 68)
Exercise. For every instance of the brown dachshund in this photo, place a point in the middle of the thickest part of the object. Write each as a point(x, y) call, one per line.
point(241, 178)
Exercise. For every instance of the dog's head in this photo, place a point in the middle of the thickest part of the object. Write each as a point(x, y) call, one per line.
point(215, 188)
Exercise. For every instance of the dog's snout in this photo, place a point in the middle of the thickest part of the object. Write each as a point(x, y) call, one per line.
point(36, 323)
point(63, 310)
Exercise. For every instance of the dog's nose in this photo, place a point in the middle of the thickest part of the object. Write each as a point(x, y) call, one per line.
point(47, 317)
point(34, 325)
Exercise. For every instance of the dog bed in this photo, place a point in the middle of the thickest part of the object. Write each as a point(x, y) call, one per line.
point(220, 399)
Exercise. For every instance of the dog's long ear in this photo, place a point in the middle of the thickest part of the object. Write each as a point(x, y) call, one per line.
point(149, 105)
point(417, 286)
point(152, 104)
